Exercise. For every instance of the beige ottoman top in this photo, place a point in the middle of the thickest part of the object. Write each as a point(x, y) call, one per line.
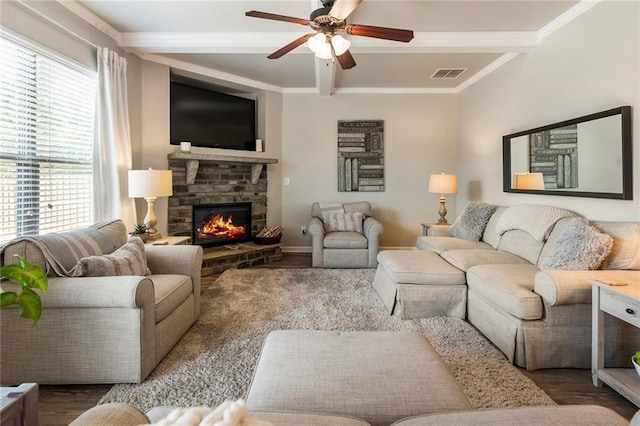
point(419, 267)
point(377, 376)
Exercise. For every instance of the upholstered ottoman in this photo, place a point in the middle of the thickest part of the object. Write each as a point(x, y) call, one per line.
point(377, 376)
point(418, 284)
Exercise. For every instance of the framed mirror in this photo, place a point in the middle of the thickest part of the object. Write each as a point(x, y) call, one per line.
point(587, 156)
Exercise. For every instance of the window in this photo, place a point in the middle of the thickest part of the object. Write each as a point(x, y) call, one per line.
point(47, 106)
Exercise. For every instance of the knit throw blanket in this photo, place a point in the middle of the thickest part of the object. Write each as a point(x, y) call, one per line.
point(229, 413)
point(534, 219)
point(62, 251)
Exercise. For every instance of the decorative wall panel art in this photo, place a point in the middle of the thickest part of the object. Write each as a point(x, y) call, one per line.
point(554, 153)
point(360, 155)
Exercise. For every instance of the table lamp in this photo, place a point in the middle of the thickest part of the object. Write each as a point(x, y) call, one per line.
point(528, 181)
point(443, 184)
point(150, 184)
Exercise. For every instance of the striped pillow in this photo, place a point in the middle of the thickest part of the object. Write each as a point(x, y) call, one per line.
point(130, 259)
point(341, 222)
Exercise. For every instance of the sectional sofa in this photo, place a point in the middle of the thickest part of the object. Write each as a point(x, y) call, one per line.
point(113, 310)
point(523, 283)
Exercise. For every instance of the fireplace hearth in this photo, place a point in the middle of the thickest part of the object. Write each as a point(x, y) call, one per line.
point(221, 224)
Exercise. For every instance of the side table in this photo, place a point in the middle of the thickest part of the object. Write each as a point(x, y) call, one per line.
point(622, 302)
point(171, 241)
point(19, 405)
point(434, 229)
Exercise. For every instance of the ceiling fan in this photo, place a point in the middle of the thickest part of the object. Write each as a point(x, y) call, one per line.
point(329, 22)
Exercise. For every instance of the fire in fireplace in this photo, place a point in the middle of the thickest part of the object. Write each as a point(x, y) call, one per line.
point(219, 224)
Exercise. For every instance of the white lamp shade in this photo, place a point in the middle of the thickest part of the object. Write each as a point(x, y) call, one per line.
point(150, 183)
point(340, 44)
point(443, 184)
point(319, 45)
point(528, 181)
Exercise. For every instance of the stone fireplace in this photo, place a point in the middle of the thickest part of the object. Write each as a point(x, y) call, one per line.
point(216, 180)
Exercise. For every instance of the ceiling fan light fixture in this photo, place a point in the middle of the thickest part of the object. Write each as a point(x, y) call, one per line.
point(319, 44)
point(340, 44)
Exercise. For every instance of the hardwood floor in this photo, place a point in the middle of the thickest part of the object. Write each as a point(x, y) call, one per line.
point(59, 405)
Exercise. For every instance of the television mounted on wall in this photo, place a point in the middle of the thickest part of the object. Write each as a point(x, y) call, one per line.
point(211, 119)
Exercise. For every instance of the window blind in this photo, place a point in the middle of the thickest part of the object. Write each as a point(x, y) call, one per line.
point(47, 109)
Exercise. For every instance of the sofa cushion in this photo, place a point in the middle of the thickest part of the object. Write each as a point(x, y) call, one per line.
point(419, 267)
point(580, 246)
point(129, 259)
point(170, 291)
point(277, 418)
point(625, 253)
point(465, 259)
point(490, 235)
point(471, 223)
point(521, 244)
point(508, 287)
point(442, 244)
point(114, 413)
point(345, 240)
point(341, 222)
point(593, 415)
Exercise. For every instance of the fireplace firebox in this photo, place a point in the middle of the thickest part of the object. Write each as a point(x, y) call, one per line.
point(220, 224)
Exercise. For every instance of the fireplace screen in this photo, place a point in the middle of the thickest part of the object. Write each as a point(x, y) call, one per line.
point(219, 224)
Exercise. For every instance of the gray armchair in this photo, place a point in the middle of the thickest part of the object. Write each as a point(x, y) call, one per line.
point(343, 249)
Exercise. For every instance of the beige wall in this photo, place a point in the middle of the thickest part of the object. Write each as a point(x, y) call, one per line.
point(420, 139)
point(590, 65)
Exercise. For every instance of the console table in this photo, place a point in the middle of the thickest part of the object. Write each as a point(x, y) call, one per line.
point(622, 302)
point(170, 241)
point(19, 405)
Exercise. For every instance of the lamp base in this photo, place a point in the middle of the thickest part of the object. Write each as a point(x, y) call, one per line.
point(442, 211)
point(154, 235)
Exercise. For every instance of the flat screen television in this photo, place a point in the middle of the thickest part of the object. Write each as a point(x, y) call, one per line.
point(211, 119)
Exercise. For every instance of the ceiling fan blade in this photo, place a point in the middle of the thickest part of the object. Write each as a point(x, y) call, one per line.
point(343, 8)
point(289, 47)
point(395, 34)
point(275, 17)
point(346, 61)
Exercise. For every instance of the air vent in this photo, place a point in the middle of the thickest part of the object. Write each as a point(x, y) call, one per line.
point(448, 72)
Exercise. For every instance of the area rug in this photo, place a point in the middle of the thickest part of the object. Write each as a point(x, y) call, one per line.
point(215, 360)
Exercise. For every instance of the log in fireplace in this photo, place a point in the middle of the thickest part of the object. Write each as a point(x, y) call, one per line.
point(220, 224)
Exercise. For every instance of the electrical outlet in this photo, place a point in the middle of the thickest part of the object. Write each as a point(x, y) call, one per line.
point(303, 230)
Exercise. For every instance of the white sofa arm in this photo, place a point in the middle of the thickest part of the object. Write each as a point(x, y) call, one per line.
point(179, 260)
point(95, 292)
point(372, 228)
point(558, 287)
point(316, 230)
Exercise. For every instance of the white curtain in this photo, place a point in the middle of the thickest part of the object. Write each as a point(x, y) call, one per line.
point(112, 148)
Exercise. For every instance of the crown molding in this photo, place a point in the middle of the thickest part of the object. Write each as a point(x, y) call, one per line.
point(91, 18)
point(566, 17)
point(209, 72)
point(486, 71)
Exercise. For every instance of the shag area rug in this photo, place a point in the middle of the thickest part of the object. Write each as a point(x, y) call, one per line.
point(216, 358)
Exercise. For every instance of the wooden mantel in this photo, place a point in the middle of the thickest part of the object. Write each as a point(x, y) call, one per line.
point(193, 160)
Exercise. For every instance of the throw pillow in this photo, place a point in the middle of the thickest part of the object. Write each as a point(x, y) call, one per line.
point(130, 259)
point(341, 222)
point(580, 246)
point(471, 223)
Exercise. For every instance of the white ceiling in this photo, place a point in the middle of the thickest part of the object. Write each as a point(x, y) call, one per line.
point(214, 38)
